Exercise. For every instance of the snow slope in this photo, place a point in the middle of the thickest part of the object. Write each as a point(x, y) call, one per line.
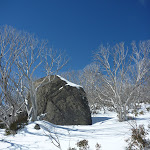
point(106, 130)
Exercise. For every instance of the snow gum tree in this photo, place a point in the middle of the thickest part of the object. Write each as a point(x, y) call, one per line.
point(123, 71)
point(37, 55)
point(10, 100)
point(91, 82)
point(22, 57)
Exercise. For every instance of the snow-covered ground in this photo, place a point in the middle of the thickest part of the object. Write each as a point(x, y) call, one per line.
point(106, 130)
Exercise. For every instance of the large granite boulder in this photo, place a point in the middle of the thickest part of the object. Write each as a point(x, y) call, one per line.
point(62, 102)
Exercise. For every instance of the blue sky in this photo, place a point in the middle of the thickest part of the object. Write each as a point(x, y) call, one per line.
point(79, 26)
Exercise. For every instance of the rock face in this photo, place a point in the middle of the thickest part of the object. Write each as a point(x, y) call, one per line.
point(62, 102)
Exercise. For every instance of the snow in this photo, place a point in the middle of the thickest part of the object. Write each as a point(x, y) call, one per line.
point(69, 83)
point(60, 88)
point(105, 130)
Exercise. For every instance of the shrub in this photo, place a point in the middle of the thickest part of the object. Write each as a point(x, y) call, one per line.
point(141, 113)
point(72, 148)
point(138, 140)
point(2, 125)
point(98, 146)
point(83, 145)
point(135, 112)
point(10, 132)
point(130, 118)
point(148, 109)
point(19, 123)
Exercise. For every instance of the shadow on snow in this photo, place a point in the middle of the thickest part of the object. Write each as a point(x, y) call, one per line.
point(14, 145)
point(99, 119)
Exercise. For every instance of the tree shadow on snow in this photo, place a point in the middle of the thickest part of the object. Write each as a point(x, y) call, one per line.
point(14, 146)
point(99, 119)
point(141, 118)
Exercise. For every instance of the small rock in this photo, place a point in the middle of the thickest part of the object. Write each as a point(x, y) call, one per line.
point(37, 127)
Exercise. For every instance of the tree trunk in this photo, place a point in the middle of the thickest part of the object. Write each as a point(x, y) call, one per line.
point(34, 105)
point(122, 114)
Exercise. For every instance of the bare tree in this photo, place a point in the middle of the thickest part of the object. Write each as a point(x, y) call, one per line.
point(34, 56)
point(73, 75)
point(27, 62)
point(89, 79)
point(122, 74)
point(10, 103)
point(92, 83)
point(22, 57)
